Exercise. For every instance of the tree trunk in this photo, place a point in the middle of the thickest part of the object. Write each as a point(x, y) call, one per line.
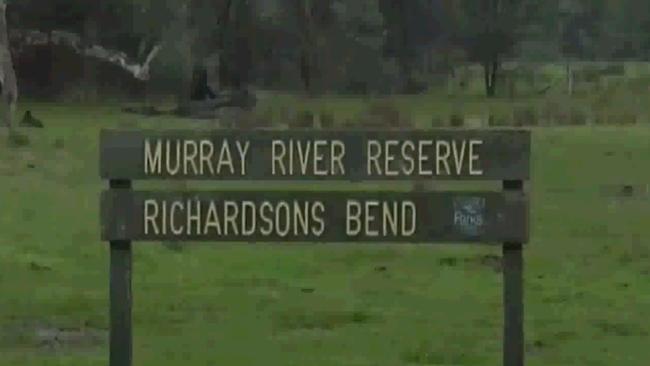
point(569, 78)
point(224, 58)
point(405, 75)
point(303, 12)
point(486, 78)
point(490, 70)
point(212, 65)
point(305, 71)
point(8, 80)
point(494, 75)
point(185, 89)
point(243, 54)
point(308, 15)
point(187, 61)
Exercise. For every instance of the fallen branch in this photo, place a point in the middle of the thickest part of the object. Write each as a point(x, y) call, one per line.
point(22, 38)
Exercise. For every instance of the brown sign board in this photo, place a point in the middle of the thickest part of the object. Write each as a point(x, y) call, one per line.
point(362, 155)
point(317, 216)
point(332, 217)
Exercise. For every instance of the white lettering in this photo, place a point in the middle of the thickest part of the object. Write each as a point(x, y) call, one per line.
point(423, 157)
point(473, 157)
point(353, 216)
point(193, 218)
point(176, 230)
point(243, 152)
point(150, 216)
point(190, 152)
point(442, 157)
point(279, 215)
point(248, 210)
point(212, 220)
point(317, 210)
point(230, 217)
point(173, 170)
point(278, 152)
point(459, 155)
point(338, 152)
point(373, 154)
point(370, 218)
point(319, 158)
point(409, 207)
point(408, 165)
point(264, 208)
point(389, 158)
point(152, 160)
point(206, 152)
point(225, 158)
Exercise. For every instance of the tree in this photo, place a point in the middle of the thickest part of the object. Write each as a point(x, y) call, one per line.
point(579, 23)
point(132, 33)
point(62, 22)
point(628, 29)
point(8, 82)
point(360, 36)
point(489, 30)
point(236, 45)
point(311, 18)
point(410, 26)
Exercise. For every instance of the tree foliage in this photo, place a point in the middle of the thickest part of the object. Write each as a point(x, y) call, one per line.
point(340, 45)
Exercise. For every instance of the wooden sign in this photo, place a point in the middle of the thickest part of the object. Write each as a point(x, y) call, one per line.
point(326, 217)
point(315, 155)
point(315, 216)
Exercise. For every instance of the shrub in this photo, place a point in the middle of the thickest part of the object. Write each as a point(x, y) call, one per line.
point(17, 139)
point(497, 120)
point(456, 120)
point(577, 117)
point(384, 113)
point(304, 119)
point(326, 120)
point(437, 121)
point(524, 116)
point(623, 119)
point(264, 118)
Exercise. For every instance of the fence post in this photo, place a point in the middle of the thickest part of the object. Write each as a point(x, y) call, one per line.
point(513, 295)
point(121, 336)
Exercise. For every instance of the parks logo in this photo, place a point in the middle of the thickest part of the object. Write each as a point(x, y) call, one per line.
point(469, 215)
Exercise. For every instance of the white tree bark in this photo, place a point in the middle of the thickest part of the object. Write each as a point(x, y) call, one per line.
point(139, 71)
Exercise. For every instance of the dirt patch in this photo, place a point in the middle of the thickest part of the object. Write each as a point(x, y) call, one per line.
point(626, 191)
point(492, 262)
point(46, 337)
point(536, 347)
point(620, 329)
point(428, 354)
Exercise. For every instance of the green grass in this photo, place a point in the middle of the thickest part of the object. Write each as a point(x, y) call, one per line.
point(587, 296)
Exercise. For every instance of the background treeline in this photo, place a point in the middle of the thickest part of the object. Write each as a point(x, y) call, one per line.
point(492, 47)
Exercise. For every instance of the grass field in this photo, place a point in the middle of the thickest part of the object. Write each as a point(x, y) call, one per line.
point(587, 294)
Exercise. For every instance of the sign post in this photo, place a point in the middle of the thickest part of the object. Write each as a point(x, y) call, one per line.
point(121, 344)
point(479, 217)
point(513, 294)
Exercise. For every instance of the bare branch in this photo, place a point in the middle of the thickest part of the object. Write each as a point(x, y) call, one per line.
point(21, 38)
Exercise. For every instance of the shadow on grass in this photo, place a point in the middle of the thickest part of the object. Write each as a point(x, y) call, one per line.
point(321, 319)
point(426, 353)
